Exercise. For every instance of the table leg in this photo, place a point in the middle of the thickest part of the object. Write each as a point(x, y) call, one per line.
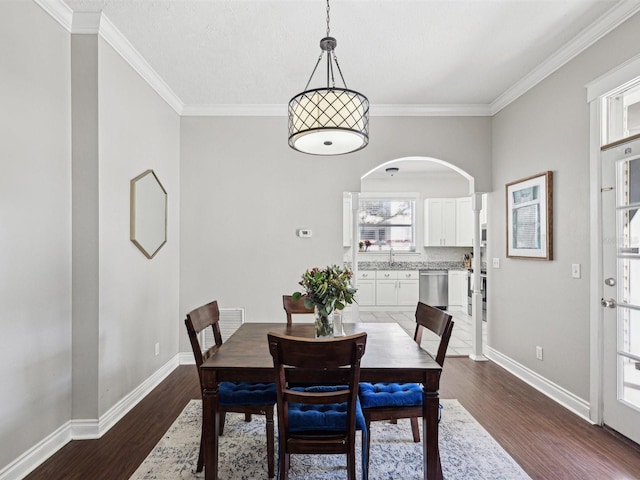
point(430, 451)
point(211, 423)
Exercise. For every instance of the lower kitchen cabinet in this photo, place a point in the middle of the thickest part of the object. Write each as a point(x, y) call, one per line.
point(396, 287)
point(458, 288)
point(366, 288)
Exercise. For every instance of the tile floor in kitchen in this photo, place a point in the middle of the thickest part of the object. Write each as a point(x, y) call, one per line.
point(460, 343)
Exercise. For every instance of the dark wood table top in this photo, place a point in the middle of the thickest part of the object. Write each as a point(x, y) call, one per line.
point(390, 355)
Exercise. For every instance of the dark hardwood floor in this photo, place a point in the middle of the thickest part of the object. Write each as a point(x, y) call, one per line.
point(548, 441)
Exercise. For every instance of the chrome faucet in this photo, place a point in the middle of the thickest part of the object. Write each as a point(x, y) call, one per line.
point(391, 255)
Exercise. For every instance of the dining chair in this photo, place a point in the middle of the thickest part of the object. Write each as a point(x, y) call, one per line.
point(238, 397)
point(318, 419)
point(394, 401)
point(292, 306)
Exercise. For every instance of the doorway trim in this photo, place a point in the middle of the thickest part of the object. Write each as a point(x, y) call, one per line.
point(615, 80)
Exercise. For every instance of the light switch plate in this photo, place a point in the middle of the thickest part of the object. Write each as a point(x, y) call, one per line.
point(496, 263)
point(575, 270)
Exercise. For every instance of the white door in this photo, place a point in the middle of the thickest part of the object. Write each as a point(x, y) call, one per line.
point(621, 288)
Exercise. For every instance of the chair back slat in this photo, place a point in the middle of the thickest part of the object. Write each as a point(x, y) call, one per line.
point(437, 321)
point(292, 306)
point(321, 355)
point(197, 320)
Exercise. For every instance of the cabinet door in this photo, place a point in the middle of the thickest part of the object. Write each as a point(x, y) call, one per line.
point(464, 222)
point(439, 222)
point(433, 222)
point(366, 292)
point(408, 292)
point(483, 212)
point(347, 216)
point(386, 292)
point(449, 221)
point(457, 288)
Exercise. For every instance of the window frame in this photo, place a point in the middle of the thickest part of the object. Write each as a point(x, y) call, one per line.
point(391, 196)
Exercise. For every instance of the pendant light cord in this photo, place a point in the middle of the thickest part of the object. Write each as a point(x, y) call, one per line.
point(330, 54)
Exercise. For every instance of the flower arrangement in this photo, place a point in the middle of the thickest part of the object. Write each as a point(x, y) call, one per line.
point(327, 290)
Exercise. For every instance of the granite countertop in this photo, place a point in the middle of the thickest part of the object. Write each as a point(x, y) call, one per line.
point(411, 266)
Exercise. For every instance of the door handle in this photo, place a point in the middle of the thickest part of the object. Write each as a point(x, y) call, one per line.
point(611, 303)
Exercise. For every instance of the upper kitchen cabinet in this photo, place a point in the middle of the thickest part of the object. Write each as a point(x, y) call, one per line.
point(347, 219)
point(464, 222)
point(483, 212)
point(439, 222)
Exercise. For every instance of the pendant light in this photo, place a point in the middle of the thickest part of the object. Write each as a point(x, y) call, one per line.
point(328, 120)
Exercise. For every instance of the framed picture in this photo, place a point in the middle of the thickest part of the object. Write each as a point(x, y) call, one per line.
point(530, 217)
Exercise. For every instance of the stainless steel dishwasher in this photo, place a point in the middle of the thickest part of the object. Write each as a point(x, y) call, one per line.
point(434, 288)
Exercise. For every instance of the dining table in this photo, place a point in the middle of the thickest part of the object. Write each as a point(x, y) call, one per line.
point(391, 355)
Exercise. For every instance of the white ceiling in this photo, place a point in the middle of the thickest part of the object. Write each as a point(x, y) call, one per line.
point(396, 52)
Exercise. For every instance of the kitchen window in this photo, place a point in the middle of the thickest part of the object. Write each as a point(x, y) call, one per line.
point(385, 223)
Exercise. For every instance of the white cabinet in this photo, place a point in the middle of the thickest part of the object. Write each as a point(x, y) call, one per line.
point(464, 222)
point(366, 287)
point(457, 288)
point(396, 287)
point(408, 288)
point(439, 222)
point(483, 212)
point(347, 216)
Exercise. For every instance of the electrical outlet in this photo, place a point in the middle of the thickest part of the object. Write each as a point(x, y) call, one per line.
point(496, 263)
point(575, 270)
point(539, 353)
point(157, 348)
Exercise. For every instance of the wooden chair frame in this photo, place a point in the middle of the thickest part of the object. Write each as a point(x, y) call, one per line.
point(326, 355)
point(292, 306)
point(440, 323)
point(197, 320)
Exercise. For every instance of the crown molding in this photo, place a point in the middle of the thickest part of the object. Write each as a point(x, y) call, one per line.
point(279, 110)
point(59, 11)
point(123, 47)
point(92, 22)
point(622, 11)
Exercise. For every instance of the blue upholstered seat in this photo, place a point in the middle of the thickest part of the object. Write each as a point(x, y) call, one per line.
point(247, 393)
point(390, 394)
point(373, 395)
point(331, 417)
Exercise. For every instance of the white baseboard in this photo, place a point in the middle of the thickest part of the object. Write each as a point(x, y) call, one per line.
point(565, 398)
point(186, 358)
point(79, 429)
point(29, 460)
point(120, 409)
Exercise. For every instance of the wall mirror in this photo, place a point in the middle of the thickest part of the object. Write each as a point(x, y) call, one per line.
point(148, 213)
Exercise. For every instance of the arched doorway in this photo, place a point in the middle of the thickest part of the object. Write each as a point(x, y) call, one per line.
point(422, 180)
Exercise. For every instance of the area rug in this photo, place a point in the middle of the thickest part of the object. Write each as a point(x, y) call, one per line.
point(467, 451)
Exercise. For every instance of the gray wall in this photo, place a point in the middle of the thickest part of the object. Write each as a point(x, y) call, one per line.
point(138, 297)
point(536, 302)
point(35, 232)
point(245, 193)
point(74, 349)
